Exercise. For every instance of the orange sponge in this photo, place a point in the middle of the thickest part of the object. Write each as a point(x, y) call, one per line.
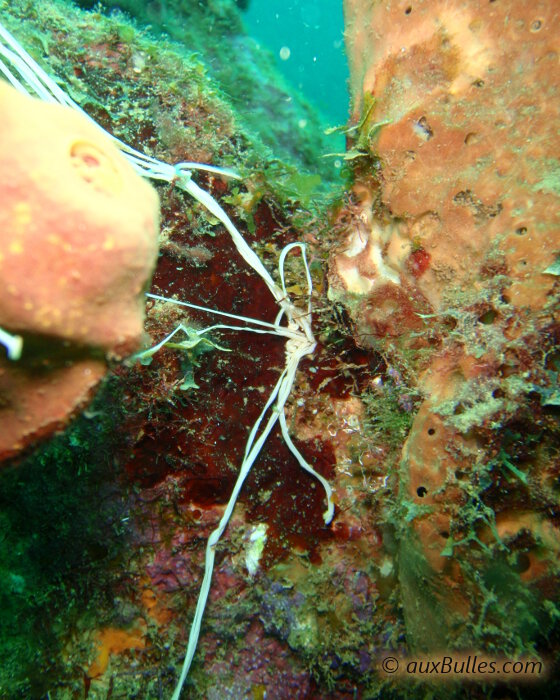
point(78, 244)
point(79, 228)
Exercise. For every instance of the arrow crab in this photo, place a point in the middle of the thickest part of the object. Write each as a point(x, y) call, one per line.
point(292, 323)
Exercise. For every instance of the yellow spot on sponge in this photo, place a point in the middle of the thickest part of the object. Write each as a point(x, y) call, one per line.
point(21, 217)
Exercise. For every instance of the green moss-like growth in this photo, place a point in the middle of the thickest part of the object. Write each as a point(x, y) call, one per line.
point(63, 530)
point(389, 414)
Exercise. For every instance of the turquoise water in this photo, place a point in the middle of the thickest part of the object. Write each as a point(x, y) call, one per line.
point(306, 38)
point(281, 63)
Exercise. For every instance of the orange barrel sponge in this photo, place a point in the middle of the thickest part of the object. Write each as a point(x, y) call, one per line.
point(78, 244)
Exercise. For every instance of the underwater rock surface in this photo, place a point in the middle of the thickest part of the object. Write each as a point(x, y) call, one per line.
point(430, 403)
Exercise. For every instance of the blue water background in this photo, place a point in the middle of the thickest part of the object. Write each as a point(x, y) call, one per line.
point(306, 38)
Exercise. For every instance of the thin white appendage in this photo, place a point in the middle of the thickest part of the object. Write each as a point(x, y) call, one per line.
point(329, 513)
point(302, 320)
point(282, 389)
point(257, 424)
point(281, 261)
point(36, 78)
point(12, 343)
point(213, 540)
point(246, 252)
point(142, 354)
point(219, 170)
point(272, 327)
point(8, 73)
point(283, 395)
point(282, 332)
point(279, 394)
point(151, 351)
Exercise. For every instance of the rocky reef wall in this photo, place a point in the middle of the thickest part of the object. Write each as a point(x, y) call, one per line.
point(430, 402)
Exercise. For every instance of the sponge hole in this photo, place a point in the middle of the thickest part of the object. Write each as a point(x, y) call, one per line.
point(94, 167)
